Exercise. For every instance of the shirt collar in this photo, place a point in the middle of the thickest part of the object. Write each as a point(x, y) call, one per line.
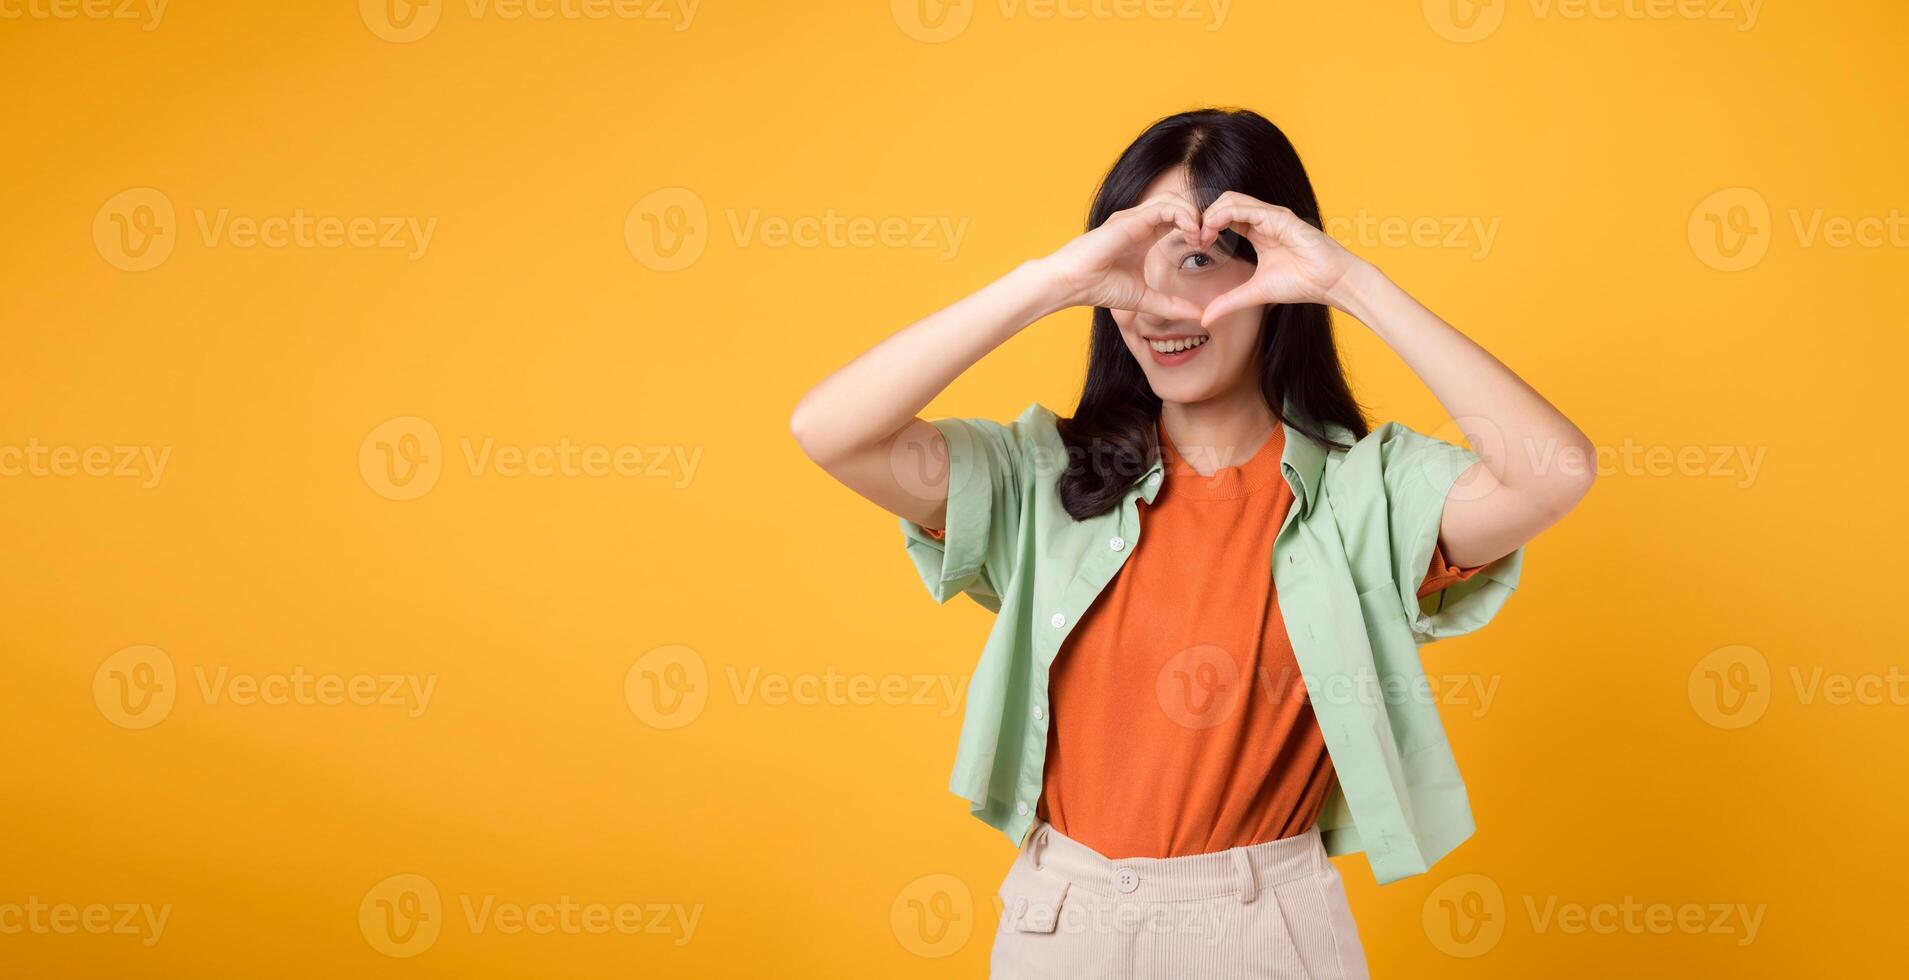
point(1303, 461)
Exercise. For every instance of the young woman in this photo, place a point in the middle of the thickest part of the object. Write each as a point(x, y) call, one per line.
point(1211, 581)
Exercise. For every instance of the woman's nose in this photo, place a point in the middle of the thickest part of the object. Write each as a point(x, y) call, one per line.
point(1158, 268)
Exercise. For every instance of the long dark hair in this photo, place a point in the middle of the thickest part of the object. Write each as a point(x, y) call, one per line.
point(1111, 438)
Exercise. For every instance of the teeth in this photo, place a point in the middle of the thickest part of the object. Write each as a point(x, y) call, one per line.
point(1175, 346)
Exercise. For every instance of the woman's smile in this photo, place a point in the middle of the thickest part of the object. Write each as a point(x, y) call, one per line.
point(1177, 349)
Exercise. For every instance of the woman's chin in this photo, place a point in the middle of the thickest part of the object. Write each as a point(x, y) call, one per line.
point(1183, 391)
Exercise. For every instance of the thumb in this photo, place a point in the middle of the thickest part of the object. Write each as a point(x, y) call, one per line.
point(1166, 305)
point(1238, 298)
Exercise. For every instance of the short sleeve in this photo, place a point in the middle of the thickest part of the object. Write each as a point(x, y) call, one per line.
point(973, 553)
point(1420, 474)
point(1443, 574)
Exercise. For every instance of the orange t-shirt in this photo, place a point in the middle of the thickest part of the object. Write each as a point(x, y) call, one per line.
point(1180, 723)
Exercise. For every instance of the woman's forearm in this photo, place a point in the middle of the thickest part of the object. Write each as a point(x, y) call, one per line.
point(1539, 462)
point(869, 400)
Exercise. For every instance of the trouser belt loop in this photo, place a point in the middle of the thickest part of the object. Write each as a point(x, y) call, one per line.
point(1040, 842)
point(1244, 867)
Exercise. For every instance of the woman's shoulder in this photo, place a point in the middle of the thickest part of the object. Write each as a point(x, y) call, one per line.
point(1394, 458)
point(1030, 442)
point(1386, 438)
point(1037, 427)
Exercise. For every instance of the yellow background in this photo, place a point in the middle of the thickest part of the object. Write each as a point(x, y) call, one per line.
point(1614, 761)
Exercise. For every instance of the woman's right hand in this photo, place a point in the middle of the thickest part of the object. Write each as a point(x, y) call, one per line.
point(1105, 266)
point(863, 423)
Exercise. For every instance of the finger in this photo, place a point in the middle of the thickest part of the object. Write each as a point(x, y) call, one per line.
point(1166, 306)
point(1239, 297)
point(1178, 215)
point(1237, 216)
point(1147, 220)
point(1263, 224)
point(1226, 199)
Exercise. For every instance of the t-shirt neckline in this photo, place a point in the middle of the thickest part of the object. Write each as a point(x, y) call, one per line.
point(1226, 482)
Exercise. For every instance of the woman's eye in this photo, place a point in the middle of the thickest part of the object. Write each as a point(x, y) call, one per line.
point(1198, 260)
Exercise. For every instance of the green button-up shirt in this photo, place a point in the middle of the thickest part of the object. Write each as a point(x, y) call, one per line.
point(1347, 565)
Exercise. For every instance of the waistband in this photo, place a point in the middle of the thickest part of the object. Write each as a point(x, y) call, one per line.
point(1241, 871)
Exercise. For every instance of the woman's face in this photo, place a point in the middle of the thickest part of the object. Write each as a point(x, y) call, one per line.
point(1185, 362)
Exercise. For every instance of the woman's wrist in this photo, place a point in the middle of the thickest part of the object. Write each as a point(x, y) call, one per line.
point(1355, 292)
point(1045, 290)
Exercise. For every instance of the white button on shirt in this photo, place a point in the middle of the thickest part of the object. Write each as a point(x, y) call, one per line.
point(1038, 712)
point(1058, 621)
point(1117, 543)
point(1021, 808)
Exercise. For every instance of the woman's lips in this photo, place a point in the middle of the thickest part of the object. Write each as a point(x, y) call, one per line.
point(1179, 350)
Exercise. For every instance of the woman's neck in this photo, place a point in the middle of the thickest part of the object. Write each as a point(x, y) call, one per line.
point(1219, 432)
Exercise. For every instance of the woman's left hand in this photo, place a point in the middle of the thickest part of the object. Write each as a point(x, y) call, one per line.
point(1297, 262)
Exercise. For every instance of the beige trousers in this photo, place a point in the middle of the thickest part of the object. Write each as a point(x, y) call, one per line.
point(1276, 909)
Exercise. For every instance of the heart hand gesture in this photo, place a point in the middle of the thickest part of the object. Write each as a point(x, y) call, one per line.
point(1104, 267)
point(1297, 263)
